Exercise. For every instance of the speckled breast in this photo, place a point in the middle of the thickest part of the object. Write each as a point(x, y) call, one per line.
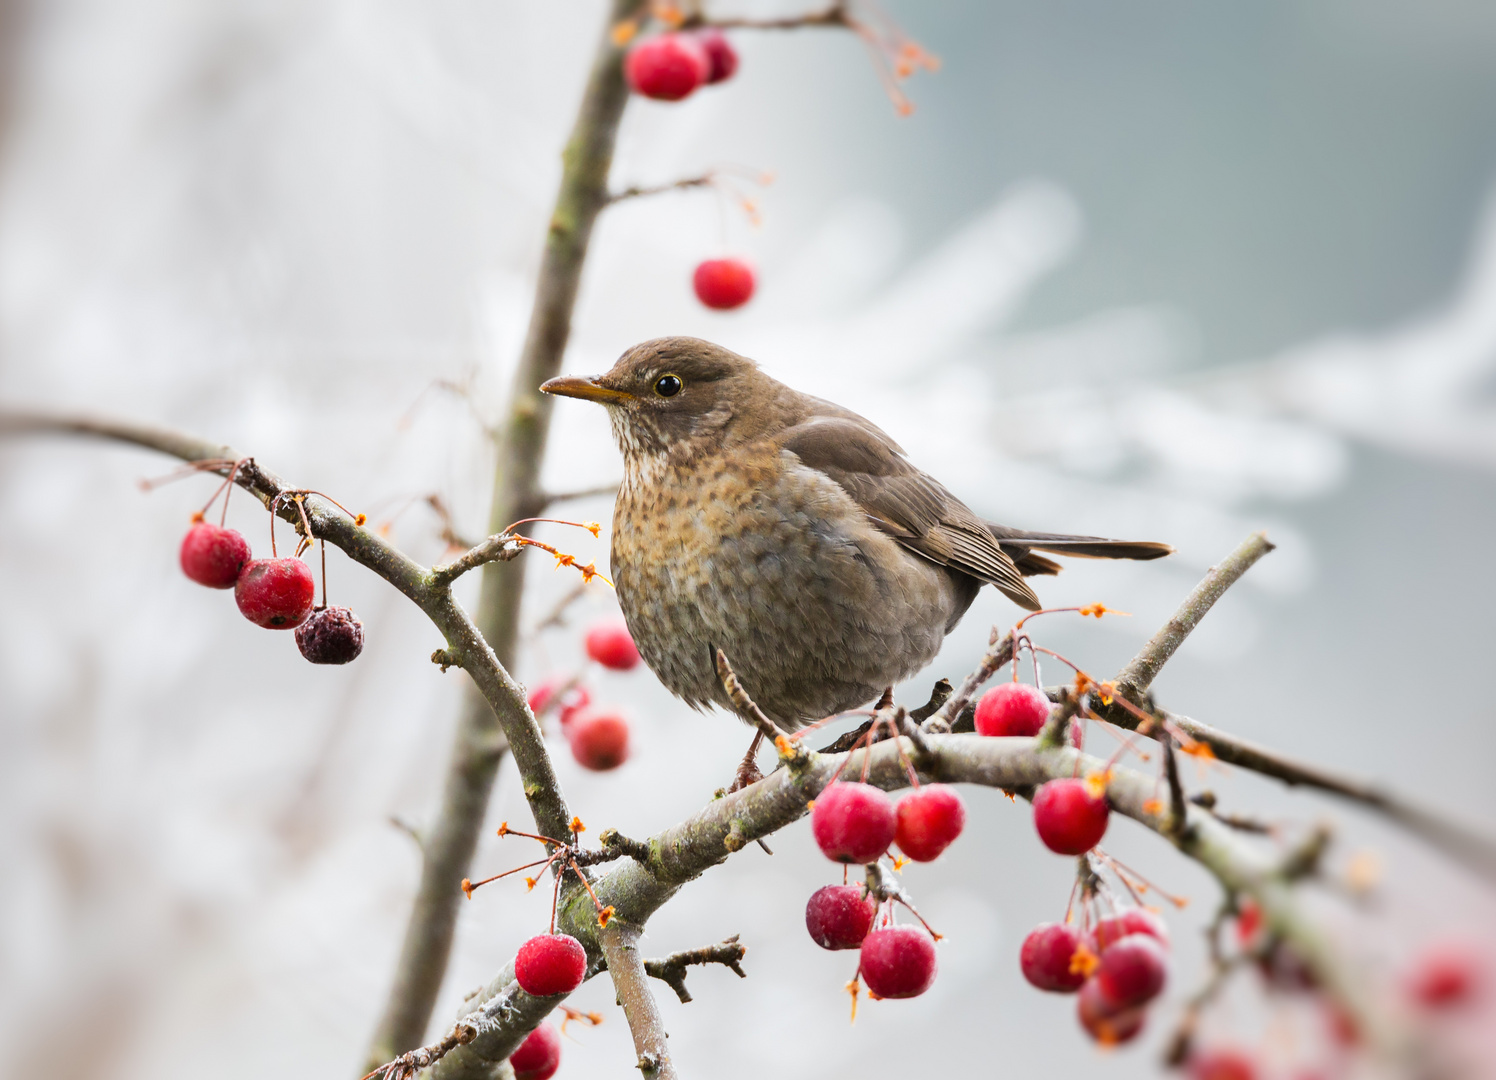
point(815, 608)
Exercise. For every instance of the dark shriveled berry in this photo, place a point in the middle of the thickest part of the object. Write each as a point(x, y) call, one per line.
point(839, 916)
point(275, 593)
point(898, 962)
point(213, 556)
point(1047, 955)
point(550, 964)
point(539, 1056)
point(331, 636)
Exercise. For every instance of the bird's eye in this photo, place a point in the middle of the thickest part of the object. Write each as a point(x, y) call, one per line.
point(668, 385)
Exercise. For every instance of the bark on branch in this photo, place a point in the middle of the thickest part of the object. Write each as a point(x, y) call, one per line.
point(619, 941)
point(672, 969)
point(524, 430)
point(670, 860)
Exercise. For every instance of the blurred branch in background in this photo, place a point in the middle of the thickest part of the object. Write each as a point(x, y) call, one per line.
point(480, 744)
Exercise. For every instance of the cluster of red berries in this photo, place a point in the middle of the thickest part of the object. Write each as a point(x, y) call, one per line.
point(669, 67)
point(1118, 967)
point(598, 737)
point(856, 823)
point(276, 593)
point(1070, 814)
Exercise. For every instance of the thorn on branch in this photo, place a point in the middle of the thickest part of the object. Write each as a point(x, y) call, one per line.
point(672, 969)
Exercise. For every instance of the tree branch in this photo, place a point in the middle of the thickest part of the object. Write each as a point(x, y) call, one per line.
point(672, 969)
point(1133, 681)
point(524, 430)
point(501, 547)
point(637, 889)
point(1470, 846)
point(619, 941)
point(509, 720)
point(637, 191)
point(1000, 653)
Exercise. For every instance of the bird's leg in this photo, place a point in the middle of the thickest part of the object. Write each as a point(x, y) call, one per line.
point(748, 772)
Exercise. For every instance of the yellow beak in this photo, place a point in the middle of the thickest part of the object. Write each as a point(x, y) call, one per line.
point(586, 389)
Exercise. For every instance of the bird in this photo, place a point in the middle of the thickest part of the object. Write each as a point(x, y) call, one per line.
point(790, 533)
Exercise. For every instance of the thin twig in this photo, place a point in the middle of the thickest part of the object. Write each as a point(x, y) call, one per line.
point(636, 191)
point(940, 693)
point(501, 547)
point(1133, 680)
point(999, 653)
point(550, 498)
point(835, 15)
point(672, 969)
point(749, 711)
point(448, 845)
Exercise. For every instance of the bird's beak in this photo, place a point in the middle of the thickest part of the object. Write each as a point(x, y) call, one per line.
point(586, 389)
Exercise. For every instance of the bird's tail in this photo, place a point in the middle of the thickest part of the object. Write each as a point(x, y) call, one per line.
point(1020, 545)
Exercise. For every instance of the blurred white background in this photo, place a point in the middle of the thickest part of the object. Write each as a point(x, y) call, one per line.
point(1142, 269)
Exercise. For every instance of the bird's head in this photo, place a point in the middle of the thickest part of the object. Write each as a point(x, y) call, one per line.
point(678, 390)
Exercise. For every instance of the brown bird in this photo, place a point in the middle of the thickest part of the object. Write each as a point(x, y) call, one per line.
point(790, 533)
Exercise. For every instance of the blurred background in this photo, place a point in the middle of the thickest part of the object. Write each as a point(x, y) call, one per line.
point(1148, 269)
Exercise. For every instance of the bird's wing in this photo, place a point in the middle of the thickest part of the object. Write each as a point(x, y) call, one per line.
point(904, 502)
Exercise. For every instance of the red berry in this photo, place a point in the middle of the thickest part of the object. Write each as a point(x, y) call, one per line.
point(1132, 972)
point(1444, 976)
point(853, 823)
point(213, 556)
point(1046, 957)
point(929, 818)
point(722, 58)
point(572, 702)
point(331, 636)
point(599, 740)
point(723, 283)
point(1012, 708)
point(1106, 1023)
point(1071, 819)
point(1248, 921)
point(539, 1056)
point(550, 964)
point(1134, 920)
point(1222, 1063)
point(275, 593)
point(611, 645)
point(667, 67)
point(839, 916)
point(898, 961)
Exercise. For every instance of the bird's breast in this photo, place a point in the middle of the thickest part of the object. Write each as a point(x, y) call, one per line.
point(776, 565)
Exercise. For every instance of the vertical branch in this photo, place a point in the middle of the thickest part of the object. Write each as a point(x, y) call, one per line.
point(620, 944)
point(480, 743)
